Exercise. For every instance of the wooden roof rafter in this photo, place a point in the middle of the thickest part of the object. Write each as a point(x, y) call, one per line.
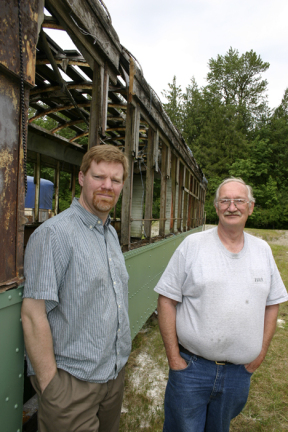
point(59, 109)
point(59, 76)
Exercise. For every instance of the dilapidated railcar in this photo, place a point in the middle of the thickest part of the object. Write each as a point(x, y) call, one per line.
point(97, 93)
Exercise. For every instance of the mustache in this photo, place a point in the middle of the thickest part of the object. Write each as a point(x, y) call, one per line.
point(235, 213)
point(105, 191)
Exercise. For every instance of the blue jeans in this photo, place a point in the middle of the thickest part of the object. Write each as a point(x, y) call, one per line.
point(204, 397)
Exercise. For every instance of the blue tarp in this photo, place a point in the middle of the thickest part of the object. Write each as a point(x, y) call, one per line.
point(46, 194)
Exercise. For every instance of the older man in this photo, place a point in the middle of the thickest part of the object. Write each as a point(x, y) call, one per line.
point(218, 306)
point(75, 307)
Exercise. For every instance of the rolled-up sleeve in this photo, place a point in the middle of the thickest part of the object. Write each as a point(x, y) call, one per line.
point(173, 278)
point(43, 267)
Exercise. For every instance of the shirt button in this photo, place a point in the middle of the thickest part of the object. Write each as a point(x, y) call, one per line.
point(91, 227)
point(99, 222)
point(119, 330)
point(119, 306)
point(114, 283)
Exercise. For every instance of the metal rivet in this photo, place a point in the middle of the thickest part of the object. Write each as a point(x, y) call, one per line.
point(9, 297)
point(20, 294)
point(16, 406)
point(7, 399)
point(20, 375)
point(17, 349)
point(20, 319)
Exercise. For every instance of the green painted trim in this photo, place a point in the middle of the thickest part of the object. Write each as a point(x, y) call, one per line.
point(178, 238)
point(12, 360)
point(145, 266)
point(11, 297)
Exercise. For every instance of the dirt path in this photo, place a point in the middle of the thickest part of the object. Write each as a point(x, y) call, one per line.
point(282, 240)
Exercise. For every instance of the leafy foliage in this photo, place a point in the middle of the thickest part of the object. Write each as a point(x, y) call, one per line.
point(231, 131)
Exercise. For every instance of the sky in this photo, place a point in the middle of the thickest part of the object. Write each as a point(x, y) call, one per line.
point(178, 37)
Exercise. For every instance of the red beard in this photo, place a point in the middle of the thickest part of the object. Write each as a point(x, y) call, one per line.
point(103, 203)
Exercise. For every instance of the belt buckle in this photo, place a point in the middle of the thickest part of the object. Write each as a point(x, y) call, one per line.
point(220, 363)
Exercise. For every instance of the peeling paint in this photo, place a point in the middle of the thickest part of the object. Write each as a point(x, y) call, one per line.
point(6, 159)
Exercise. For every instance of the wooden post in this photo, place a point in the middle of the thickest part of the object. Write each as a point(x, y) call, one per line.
point(196, 203)
point(96, 106)
point(190, 203)
point(105, 101)
point(56, 185)
point(149, 183)
point(185, 205)
point(173, 191)
point(180, 196)
point(37, 187)
point(163, 190)
point(128, 186)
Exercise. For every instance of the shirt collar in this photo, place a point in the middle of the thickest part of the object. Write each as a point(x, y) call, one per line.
point(88, 218)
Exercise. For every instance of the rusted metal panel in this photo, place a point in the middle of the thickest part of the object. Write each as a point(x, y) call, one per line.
point(11, 151)
point(9, 135)
point(9, 37)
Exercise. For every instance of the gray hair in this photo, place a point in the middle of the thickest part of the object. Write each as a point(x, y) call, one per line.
point(238, 180)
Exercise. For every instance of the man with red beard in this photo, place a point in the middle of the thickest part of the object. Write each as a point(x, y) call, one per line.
point(75, 307)
point(218, 303)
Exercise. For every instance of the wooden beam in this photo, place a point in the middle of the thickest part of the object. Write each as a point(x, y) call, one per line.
point(190, 193)
point(180, 196)
point(59, 108)
point(69, 62)
point(80, 86)
point(86, 133)
point(96, 106)
point(107, 46)
point(65, 125)
point(190, 203)
point(149, 183)
point(128, 185)
point(103, 124)
point(173, 178)
point(186, 202)
point(163, 190)
point(118, 129)
point(156, 151)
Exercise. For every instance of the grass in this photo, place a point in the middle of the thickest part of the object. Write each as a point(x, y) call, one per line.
point(147, 373)
point(267, 235)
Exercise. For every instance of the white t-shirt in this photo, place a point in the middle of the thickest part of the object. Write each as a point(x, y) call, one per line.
point(222, 295)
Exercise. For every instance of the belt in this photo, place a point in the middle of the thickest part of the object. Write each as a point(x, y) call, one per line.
point(185, 351)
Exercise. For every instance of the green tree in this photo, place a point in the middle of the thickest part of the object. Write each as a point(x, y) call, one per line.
point(238, 81)
point(174, 104)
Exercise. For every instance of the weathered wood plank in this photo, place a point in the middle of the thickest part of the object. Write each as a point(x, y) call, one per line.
point(149, 183)
point(173, 190)
point(128, 186)
point(163, 189)
point(96, 106)
point(180, 196)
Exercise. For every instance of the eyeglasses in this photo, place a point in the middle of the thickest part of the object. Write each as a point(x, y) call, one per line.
point(239, 203)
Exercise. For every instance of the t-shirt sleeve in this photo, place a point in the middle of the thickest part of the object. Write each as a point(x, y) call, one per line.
point(278, 293)
point(172, 280)
point(43, 267)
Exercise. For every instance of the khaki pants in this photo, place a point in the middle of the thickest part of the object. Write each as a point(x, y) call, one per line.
point(71, 405)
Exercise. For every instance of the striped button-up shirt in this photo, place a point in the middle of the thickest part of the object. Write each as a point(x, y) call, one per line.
point(75, 264)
